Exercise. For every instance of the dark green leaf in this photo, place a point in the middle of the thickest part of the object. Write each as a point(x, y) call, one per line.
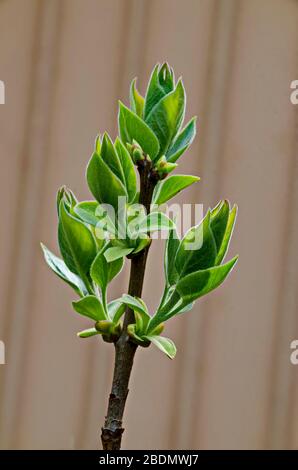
point(227, 236)
point(166, 78)
point(218, 222)
point(182, 141)
point(197, 250)
point(171, 248)
point(77, 244)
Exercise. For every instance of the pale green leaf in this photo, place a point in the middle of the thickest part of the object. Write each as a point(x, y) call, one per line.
point(131, 128)
point(135, 303)
point(136, 100)
point(91, 307)
point(110, 157)
point(105, 186)
point(155, 221)
point(116, 252)
point(116, 309)
point(199, 283)
point(102, 271)
point(88, 333)
point(86, 211)
point(169, 187)
point(99, 271)
point(166, 117)
point(59, 267)
point(166, 345)
point(140, 310)
point(130, 178)
point(161, 83)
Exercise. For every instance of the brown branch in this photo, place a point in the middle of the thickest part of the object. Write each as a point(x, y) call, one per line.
point(125, 349)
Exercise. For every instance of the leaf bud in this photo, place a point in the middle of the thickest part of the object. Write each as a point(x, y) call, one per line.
point(163, 167)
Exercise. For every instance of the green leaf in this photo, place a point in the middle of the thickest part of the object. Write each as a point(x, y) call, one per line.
point(86, 211)
point(97, 146)
point(99, 271)
point(171, 248)
point(199, 283)
point(166, 78)
point(185, 308)
point(102, 272)
point(67, 195)
point(116, 309)
point(166, 345)
point(169, 187)
point(136, 304)
point(77, 244)
point(134, 334)
point(131, 127)
point(166, 117)
point(114, 268)
point(197, 249)
point(136, 100)
point(161, 83)
point(91, 307)
point(116, 252)
point(182, 141)
point(111, 158)
point(140, 310)
point(218, 222)
point(142, 243)
point(130, 178)
point(59, 267)
point(155, 221)
point(88, 333)
point(227, 236)
point(105, 186)
point(97, 216)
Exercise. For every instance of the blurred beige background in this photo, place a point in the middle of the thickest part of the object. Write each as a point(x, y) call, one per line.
point(65, 64)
